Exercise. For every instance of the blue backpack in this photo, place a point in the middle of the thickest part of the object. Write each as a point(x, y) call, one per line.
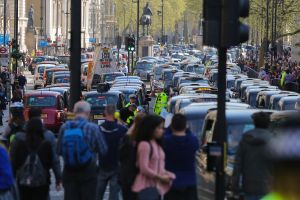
point(75, 151)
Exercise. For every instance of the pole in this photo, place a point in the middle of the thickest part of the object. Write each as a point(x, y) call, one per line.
point(267, 24)
point(56, 34)
point(94, 18)
point(16, 21)
point(4, 23)
point(221, 116)
point(75, 52)
point(102, 26)
point(132, 62)
point(162, 21)
point(221, 123)
point(275, 29)
point(272, 32)
point(129, 69)
point(67, 27)
point(137, 28)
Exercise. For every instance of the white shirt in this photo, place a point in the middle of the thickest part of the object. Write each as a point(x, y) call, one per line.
point(124, 69)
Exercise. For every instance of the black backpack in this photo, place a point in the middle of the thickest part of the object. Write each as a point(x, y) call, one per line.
point(32, 173)
point(127, 161)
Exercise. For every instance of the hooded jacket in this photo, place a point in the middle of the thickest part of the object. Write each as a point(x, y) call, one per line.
point(252, 167)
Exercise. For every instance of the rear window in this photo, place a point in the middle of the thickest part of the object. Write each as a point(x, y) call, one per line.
point(101, 100)
point(110, 77)
point(41, 101)
point(59, 79)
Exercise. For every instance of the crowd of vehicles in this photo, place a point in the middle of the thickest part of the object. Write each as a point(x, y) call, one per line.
point(189, 77)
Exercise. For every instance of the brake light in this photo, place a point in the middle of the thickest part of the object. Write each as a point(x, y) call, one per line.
point(36, 78)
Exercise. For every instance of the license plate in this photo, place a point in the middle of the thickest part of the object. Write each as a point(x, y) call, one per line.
point(98, 116)
point(44, 116)
point(100, 122)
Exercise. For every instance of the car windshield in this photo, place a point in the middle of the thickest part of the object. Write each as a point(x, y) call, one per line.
point(289, 105)
point(195, 126)
point(144, 66)
point(230, 84)
point(168, 76)
point(62, 79)
point(101, 101)
point(199, 70)
point(110, 77)
point(41, 101)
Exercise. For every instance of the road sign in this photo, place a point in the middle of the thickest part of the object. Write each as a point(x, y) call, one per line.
point(4, 56)
point(3, 50)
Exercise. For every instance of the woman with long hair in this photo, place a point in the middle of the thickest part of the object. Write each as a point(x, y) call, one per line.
point(127, 158)
point(152, 181)
point(34, 153)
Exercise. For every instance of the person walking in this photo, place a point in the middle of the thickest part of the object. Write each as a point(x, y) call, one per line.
point(161, 102)
point(48, 136)
point(127, 159)
point(108, 166)
point(153, 180)
point(252, 163)
point(32, 162)
point(180, 148)
point(22, 82)
point(7, 180)
point(16, 122)
point(80, 161)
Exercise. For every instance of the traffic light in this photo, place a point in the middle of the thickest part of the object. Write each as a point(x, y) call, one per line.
point(131, 43)
point(233, 31)
point(212, 10)
point(126, 43)
point(14, 45)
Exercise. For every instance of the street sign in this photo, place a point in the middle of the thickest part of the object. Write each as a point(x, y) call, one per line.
point(4, 56)
point(3, 50)
point(92, 40)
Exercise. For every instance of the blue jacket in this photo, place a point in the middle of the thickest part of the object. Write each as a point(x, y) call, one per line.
point(180, 159)
point(6, 173)
point(113, 133)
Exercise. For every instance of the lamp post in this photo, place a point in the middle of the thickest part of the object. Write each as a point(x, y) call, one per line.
point(4, 21)
point(102, 23)
point(137, 28)
point(16, 27)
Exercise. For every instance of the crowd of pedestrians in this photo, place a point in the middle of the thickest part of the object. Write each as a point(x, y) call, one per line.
point(143, 161)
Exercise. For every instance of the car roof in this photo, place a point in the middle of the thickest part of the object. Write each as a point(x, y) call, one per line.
point(92, 93)
point(38, 93)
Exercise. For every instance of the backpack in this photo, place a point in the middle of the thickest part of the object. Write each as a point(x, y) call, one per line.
point(75, 151)
point(128, 157)
point(32, 173)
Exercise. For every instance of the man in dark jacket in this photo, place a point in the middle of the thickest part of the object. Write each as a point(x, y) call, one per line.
point(252, 165)
point(108, 166)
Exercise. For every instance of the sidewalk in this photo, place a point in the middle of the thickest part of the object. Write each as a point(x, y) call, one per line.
point(5, 120)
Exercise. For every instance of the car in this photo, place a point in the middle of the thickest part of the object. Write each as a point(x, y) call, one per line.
point(238, 122)
point(276, 98)
point(251, 94)
point(201, 98)
point(40, 59)
point(98, 101)
point(64, 91)
point(196, 68)
point(167, 77)
point(110, 77)
point(38, 80)
point(144, 68)
point(52, 106)
point(48, 73)
point(288, 103)
point(60, 78)
point(263, 98)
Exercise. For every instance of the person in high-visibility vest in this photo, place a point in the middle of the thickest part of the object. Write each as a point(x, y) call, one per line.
point(282, 78)
point(132, 100)
point(160, 102)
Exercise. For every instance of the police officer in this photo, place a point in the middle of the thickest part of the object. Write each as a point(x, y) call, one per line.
point(127, 114)
point(160, 102)
point(132, 100)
